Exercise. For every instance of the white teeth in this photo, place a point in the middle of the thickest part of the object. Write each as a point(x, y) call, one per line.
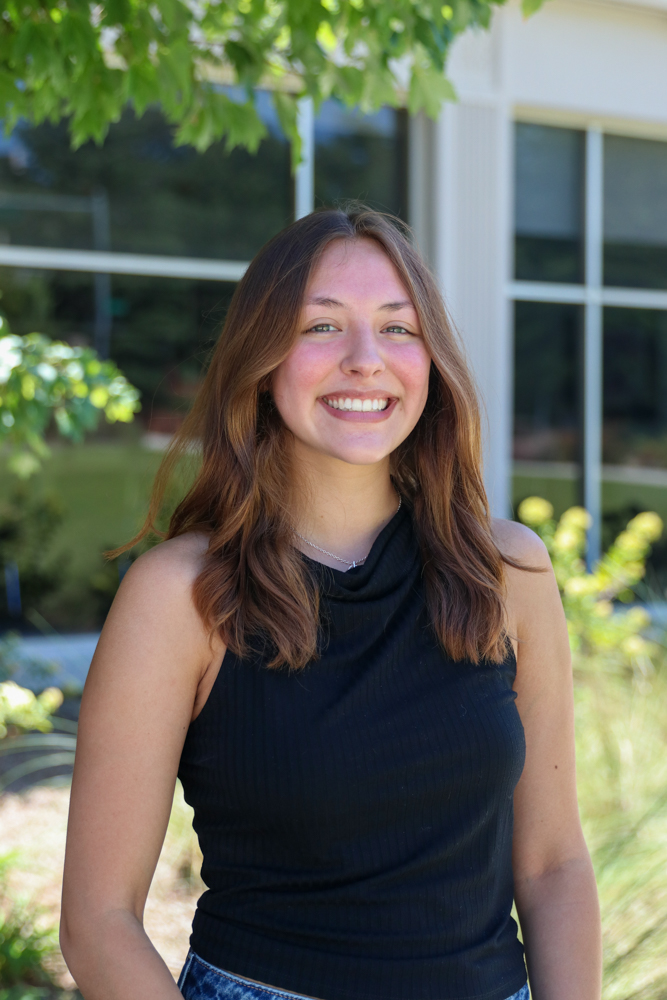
point(357, 405)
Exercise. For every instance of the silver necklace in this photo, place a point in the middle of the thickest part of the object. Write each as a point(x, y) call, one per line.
point(346, 562)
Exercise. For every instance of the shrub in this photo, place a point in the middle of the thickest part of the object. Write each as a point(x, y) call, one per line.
point(24, 948)
point(42, 378)
point(620, 694)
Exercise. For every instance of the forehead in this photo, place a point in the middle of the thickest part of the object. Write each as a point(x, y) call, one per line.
point(353, 269)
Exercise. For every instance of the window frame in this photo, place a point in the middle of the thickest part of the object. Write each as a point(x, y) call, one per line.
point(594, 296)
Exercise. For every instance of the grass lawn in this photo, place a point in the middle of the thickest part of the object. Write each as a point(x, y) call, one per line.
point(104, 488)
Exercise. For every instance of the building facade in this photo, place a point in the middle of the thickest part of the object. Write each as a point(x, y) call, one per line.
point(548, 182)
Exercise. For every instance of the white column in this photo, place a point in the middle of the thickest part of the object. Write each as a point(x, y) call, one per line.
point(471, 258)
point(592, 381)
point(304, 180)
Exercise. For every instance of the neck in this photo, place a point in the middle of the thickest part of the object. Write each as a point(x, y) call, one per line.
point(343, 508)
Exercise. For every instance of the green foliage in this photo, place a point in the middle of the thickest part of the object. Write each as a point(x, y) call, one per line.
point(620, 692)
point(87, 61)
point(23, 947)
point(622, 786)
point(21, 710)
point(529, 7)
point(608, 637)
point(41, 378)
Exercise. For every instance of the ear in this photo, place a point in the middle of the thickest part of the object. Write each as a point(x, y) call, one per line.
point(265, 384)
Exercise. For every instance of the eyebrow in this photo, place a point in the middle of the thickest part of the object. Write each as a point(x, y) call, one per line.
point(387, 307)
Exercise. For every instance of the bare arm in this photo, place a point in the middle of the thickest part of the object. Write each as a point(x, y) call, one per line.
point(152, 664)
point(554, 884)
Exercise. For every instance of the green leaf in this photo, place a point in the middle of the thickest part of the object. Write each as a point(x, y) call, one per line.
point(429, 89)
point(23, 464)
point(53, 66)
point(41, 379)
point(529, 7)
point(286, 106)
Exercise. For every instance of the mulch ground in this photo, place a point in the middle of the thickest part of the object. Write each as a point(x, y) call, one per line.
point(33, 823)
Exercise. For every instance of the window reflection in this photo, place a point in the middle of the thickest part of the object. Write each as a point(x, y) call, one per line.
point(635, 212)
point(548, 203)
point(361, 157)
point(546, 381)
point(140, 193)
point(162, 328)
point(635, 387)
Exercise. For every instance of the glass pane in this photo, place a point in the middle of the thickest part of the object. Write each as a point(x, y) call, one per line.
point(548, 203)
point(635, 212)
point(546, 381)
point(635, 387)
point(361, 157)
point(162, 329)
point(139, 193)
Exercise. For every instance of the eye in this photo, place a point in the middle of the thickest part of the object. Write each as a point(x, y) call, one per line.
point(397, 328)
point(321, 328)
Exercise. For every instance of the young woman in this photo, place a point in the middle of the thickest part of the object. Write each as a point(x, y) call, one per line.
point(362, 680)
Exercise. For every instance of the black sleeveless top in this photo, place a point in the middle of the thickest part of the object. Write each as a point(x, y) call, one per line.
point(356, 817)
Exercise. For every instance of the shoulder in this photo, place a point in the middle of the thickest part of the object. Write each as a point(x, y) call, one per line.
point(530, 584)
point(157, 589)
point(520, 543)
point(173, 565)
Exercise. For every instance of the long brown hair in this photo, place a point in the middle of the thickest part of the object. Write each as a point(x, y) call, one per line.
point(254, 583)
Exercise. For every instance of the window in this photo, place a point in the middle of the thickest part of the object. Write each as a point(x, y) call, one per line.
point(162, 329)
point(140, 193)
point(635, 388)
point(361, 157)
point(548, 204)
point(546, 383)
point(590, 269)
point(635, 212)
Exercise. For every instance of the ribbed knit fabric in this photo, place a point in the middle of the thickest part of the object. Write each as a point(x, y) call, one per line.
point(356, 817)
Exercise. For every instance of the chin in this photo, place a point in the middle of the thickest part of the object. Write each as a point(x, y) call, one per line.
point(359, 456)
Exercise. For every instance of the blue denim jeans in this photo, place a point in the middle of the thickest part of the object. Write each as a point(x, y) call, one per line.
point(201, 981)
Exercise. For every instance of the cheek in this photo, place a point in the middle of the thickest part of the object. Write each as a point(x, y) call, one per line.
point(413, 367)
point(299, 375)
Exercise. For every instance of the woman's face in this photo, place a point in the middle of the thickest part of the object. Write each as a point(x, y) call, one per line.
point(355, 383)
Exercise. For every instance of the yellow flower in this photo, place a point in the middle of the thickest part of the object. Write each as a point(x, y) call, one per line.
point(580, 586)
point(638, 618)
point(99, 397)
point(629, 543)
point(648, 525)
point(634, 645)
point(51, 699)
point(576, 517)
point(567, 539)
point(15, 697)
point(535, 511)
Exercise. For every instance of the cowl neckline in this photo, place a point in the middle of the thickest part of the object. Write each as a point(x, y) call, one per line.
point(392, 555)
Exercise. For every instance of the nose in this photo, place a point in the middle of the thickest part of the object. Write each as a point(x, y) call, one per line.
point(363, 355)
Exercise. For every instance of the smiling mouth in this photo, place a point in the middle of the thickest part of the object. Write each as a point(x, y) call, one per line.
point(346, 403)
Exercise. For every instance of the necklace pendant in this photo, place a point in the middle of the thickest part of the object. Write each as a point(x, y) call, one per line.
point(353, 565)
